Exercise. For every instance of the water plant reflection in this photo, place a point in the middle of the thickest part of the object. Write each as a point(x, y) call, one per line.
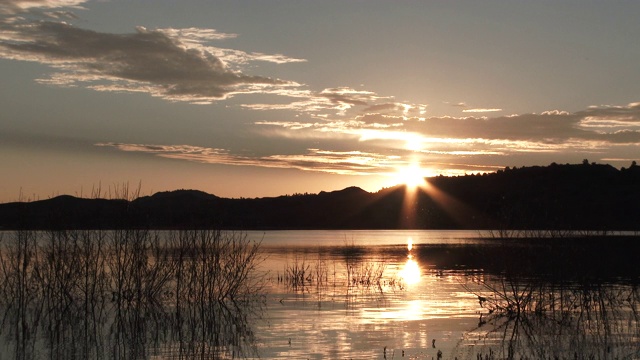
point(127, 294)
point(572, 299)
point(528, 318)
point(351, 274)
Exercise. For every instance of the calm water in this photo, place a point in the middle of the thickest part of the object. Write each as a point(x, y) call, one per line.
point(376, 295)
point(413, 305)
point(428, 301)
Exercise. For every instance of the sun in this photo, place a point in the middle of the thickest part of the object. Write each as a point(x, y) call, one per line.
point(411, 176)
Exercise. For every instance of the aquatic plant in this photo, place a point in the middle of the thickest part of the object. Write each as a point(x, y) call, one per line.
point(69, 287)
point(297, 274)
point(214, 266)
point(368, 274)
point(536, 319)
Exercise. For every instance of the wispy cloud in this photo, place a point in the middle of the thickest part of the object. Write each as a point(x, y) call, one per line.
point(327, 161)
point(11, 7)
point(331, 101)
point(334, 162)
point(447, 145)
point(200, 39)
point(595, 129)
point(336, 107)
point(480, 110)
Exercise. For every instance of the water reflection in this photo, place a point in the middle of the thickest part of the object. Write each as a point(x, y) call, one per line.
point(574, 299)
point(497, 299)
point(125, 295)
point(410, 273)
point(547, 320)
point(493, 300)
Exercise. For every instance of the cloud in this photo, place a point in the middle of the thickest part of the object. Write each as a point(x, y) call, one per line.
point(340, 103)
point(334, 162)
point(382, 108)
point(442, 145)
point(197, 38)
point(359, 163)
point(616, 116)
point(175, 64)
point(185, 64)
point(61, 15)
point(480, 110)
point(601, 129)
point(332, 100)
point(11, 7)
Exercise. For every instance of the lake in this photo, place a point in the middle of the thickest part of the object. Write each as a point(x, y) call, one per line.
point(318, 295)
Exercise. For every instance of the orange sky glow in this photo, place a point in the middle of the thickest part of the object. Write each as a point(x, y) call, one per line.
point(257, 99)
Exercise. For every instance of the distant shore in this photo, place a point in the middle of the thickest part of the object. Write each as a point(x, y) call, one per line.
point(571, 198)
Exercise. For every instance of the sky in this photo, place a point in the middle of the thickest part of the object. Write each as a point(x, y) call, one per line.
point(266, 98)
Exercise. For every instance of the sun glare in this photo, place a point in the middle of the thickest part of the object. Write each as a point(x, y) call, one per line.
point(410, 273)
point(412, 176)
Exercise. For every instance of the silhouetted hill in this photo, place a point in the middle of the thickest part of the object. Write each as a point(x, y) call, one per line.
point(65, 212)
point(566, 197)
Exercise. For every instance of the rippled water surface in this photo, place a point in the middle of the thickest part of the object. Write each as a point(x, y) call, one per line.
point(427, 301)
point(354, 313)
point(320, 295)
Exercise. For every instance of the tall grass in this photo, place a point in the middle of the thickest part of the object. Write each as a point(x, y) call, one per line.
point(352, 277)
point(74, 289)
point(548, 233)
point(530, 318)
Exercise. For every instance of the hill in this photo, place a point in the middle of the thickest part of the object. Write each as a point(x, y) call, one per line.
point(584, 196)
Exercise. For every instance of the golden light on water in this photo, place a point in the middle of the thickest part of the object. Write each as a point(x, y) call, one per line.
point(410, 272)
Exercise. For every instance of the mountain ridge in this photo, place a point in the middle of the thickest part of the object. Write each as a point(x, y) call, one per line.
point(570, 196)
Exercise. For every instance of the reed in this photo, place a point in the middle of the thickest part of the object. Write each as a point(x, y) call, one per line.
point(541, 320)
point(367, 274)
point(298, 274)
point(214, 266)
point(68, 287)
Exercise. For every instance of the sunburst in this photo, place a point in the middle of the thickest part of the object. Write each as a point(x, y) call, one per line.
point(412, 176)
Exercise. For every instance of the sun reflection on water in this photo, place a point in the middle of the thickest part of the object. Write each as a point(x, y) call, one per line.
point(410, 272)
